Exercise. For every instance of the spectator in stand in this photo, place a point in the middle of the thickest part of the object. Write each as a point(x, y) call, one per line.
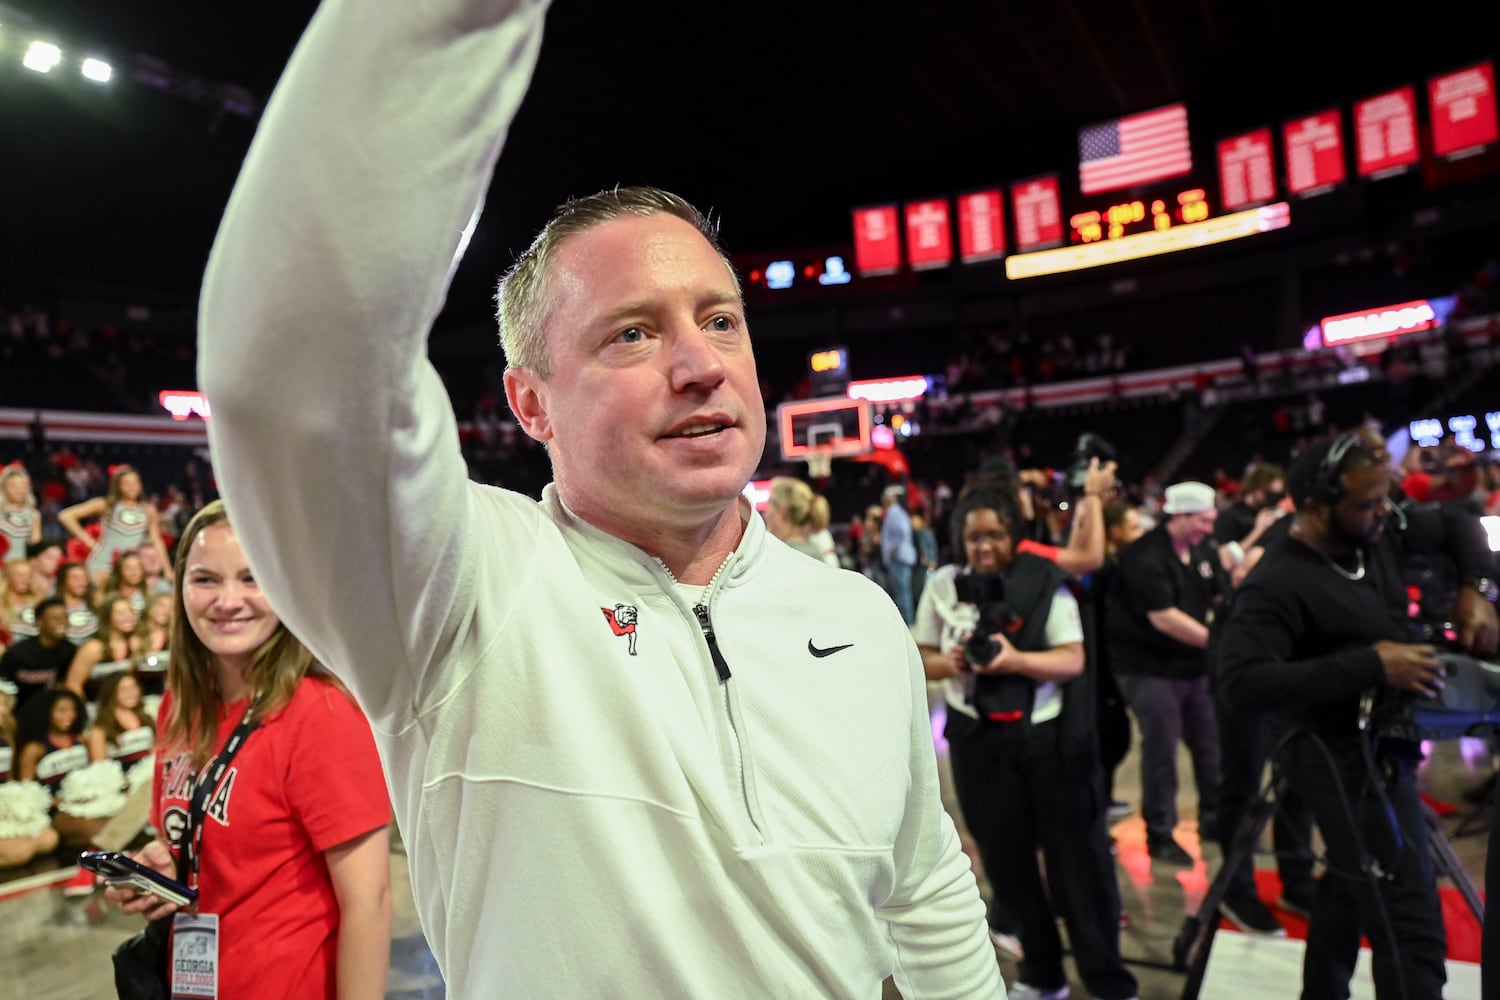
point(45, 559)
point(20, 521)
point(1163, 596)
point(50, 746)
point(795, 513)
point(17, 601)
point(114, 649)
point(927, 552)
point(36, 664)
point(308, 798)
point(122, 731)
point(25, 827)
point(77, 594)
point(128, 580)
point(158, 580)
point(127, 521)
point(898, 550)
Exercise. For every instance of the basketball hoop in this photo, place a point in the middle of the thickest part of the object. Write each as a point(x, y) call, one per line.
point(820, 462)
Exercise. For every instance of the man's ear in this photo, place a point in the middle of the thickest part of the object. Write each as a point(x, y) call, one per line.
point(526, 393)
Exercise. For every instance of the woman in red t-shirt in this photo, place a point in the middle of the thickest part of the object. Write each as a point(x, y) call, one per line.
point(294, 855)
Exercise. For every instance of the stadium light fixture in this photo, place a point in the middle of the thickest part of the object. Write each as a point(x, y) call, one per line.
point(97, 70)
point(41, 57)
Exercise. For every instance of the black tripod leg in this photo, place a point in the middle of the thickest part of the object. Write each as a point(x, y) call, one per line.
point(1448, 864)
point(1195, 940)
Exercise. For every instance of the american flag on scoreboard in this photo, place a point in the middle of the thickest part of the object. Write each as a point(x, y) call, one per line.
point(1136, 149)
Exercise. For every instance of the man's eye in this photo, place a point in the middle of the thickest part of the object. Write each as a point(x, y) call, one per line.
point(722, 324)
point(631, 335)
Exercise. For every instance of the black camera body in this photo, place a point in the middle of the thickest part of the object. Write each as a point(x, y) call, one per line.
point(986, 591)
point(1088, 447)
point(1005, 699)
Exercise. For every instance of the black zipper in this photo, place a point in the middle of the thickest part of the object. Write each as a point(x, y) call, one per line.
point(720, 664)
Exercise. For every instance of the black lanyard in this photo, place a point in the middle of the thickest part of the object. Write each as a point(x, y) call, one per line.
point(192, 841)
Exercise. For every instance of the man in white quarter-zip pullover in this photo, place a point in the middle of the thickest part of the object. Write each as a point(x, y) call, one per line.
point(637, 746)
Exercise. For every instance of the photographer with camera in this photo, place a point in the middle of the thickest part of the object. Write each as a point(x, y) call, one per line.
point(1004, 634)
point(1319, 632)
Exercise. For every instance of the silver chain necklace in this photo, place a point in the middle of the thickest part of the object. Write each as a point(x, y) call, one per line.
point(1358, 574)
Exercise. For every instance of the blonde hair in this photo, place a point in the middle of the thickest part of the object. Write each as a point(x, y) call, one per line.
point(275, 670)
point(807, 510)
point(521, 298)
point(16, 471)
point(105, 612)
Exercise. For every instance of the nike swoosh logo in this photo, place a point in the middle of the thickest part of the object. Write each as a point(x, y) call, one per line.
point(820, 653)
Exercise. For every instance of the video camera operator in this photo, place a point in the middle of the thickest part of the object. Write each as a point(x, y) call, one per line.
point(1004, 633)
point(1319, 632)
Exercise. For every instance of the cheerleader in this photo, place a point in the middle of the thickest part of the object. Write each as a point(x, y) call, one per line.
point(112, 650)
point(127, 521)
point(20, 521)
point(122, 730)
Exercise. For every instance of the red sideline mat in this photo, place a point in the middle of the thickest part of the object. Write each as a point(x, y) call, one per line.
point(1464, 932)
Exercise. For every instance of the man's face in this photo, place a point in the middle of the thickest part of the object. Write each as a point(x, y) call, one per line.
point(1358, 519)
point(1193, 528)
point(53, 623)
point(653, 412)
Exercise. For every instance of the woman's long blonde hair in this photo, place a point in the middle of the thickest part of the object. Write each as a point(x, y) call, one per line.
point(276, 668)
point(805, 510)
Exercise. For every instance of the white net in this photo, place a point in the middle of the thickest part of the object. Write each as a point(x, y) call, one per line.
point(820, 463)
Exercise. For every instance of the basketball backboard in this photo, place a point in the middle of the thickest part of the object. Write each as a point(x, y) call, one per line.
point(837, 424)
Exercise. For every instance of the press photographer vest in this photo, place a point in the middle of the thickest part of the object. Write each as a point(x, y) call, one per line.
point(1005, 701)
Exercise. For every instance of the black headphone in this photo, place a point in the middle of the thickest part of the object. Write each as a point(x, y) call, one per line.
point(1326, 487)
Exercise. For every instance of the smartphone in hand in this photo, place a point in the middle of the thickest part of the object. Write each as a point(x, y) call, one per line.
point(117, 869)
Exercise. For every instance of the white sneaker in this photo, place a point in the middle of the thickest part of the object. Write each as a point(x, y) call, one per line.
point(1025, 991)
point(1008, 943)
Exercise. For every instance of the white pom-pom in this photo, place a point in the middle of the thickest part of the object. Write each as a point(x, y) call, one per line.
point(141, 771)
point(24, 807)
point(94, 792)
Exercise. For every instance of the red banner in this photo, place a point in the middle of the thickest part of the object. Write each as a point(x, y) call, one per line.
point(1247, 170)
point(1385, 133)
point(1463, 110)
point(1314, 153)
point(981, 226)
point(1038, 213)
point(929, 234)
point(877, 240)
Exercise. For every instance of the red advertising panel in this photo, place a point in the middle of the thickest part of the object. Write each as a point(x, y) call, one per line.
point(1463, 110)
point(929, 234)
point(1247, 171)
point(1385, 133)
point(981, 226)
point(1314, 153)
point(877, 240)
point(1038, 213)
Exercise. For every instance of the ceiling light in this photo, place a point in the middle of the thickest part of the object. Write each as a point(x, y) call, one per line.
point(42, 56)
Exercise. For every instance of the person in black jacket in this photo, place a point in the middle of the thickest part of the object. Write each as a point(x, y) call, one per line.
point(1319, 633)
point(1021, 740)
point(1161, 602)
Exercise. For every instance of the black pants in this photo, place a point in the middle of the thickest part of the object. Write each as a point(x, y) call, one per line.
point(1169, 709)
point(1018, 798)
point(1400, 914)
point(1244, 741)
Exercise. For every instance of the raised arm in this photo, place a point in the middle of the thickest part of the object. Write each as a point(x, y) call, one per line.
point(72, 518)
point(334, 442)
point(84, 662)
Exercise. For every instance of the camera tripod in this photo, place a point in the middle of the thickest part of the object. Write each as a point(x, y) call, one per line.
point(1194, 941)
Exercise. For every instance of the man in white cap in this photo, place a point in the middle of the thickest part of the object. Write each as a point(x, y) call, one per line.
point(1161, 603)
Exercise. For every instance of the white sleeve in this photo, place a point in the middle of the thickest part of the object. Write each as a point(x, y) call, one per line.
point(1064, 624)
point(934, 913)
point(334, 443)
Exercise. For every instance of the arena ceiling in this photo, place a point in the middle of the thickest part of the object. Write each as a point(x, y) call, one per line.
point(779, 116)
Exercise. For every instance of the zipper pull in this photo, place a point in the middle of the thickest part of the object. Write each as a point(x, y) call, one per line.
point(720, 664)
